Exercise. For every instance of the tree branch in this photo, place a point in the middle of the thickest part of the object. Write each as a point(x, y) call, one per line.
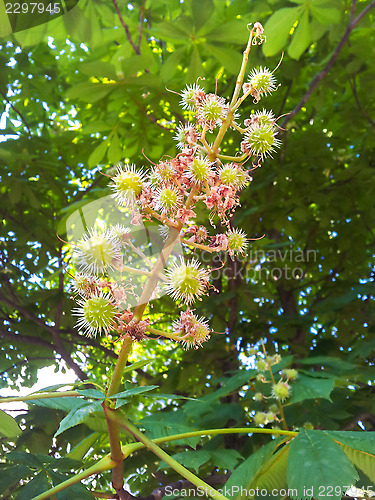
point(353, 86)
point(126, 28)
point(352, 24)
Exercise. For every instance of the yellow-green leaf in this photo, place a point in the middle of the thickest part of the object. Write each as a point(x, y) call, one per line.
point(301, 38)
point(8, 426)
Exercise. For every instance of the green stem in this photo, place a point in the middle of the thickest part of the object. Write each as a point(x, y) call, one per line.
point(156, 271)
point(228, 120)
point(172, 336)
point(124, 422)
point(45, 395)
point(116, 453)
point(237, 159)
point(241, 74)
point(278, 402)
point(119, 367)
point(106, 463)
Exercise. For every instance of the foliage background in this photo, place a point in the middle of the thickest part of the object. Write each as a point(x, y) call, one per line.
point(91, 88)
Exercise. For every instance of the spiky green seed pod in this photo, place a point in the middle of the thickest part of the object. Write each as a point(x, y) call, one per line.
point(259, 418)
point(127, 184)
point(186, 281)
point(237, 241)
point(96, 251)
point(168, 198)
point(281, 391)
point(261, 140)
point(199, 171)
point(290, 373)
point(262, 80)
point(96, 315)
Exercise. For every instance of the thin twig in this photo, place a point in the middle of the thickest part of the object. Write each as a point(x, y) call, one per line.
point(126, 28)
point(328, 66)
point(353, 86)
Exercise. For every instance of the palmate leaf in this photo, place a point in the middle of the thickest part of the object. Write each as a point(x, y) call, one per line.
point(245, 475)
point(359, 447)
point(362, 460)
point(318, 467)
point(272, 475)
point(311, 388)
point(37, 485)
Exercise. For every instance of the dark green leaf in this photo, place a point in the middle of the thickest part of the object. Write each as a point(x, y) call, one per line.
point(36, 486)
point(317, 466)
point(246, 473)
point(310, 388)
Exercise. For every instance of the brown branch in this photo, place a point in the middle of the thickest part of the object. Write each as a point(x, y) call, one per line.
point(159, 493)
point(16, 111)
point(126, 28)
point(353, 86)
point(22, 362)
point(352, 24)
point(141, 19)
point(58, 344)
point(25, 338)
point(361, 417)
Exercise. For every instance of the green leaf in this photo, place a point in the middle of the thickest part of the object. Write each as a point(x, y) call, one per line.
point(137, 365)
point(226, 458)
point(168, 424)
point(325, 14)
point(201, 12)
point(277, 29)
point(301, 38)
point(37, 485)
point(76, 491)
point(171, 63)
point(89, 92)
point(8, 426)
point(336, 364)
point(98, 154)
point(228, 58)
point(310, 388)
point(78, 415)
point(92, 393)
point(10, 476)
point(79, 451)
point(245, 474)
point(62, 403)
point(272, 475)
point(114, 152)
point(134, 391)
point(195, 67)
point(364, 441)
point(98, 69)
point(171, 32)
point(96, 126)
point(362, 460)
point(230, 384)
point(190, 459)
point(231, 32)
point(317, 467)
point(24, 458)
